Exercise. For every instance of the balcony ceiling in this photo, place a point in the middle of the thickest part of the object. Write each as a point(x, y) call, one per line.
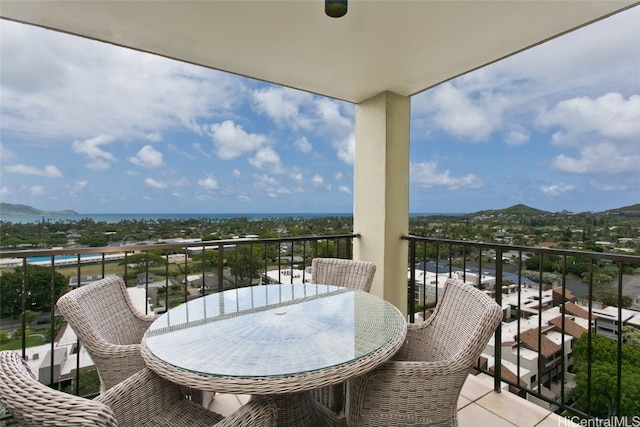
point(392, 45)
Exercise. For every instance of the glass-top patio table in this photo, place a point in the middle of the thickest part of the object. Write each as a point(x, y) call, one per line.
point(275, 340)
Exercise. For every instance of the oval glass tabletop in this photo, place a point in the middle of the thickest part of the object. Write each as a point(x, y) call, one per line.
point(273, 330)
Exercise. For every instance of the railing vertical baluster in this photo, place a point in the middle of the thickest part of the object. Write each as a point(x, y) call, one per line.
point(518, 318)
point(498, 333)
point(540, 356)
point(563, 327)
point(126, 268)
point(146, 282)
point(78, 343)
point(437, 269)
point(304, 261)
point(186, 274)
point(424, 280)
point(203, 288)
point(220, 267)
point(619, 358)
point(464, 263)
point(480, 268)
point(23, 317)
point(265, 281)
point(412, 282)
point(450, 259)
point(589, 343)
point(52, 290)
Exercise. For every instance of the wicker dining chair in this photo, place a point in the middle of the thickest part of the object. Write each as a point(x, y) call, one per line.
point(343, 272)
point(144, 399)
point(422, 383)
point(105, 320)
point(350, 274)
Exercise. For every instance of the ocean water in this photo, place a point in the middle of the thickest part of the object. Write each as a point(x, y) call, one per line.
point(115, 218)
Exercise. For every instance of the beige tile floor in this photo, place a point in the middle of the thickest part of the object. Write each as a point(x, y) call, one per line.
point(478, 406)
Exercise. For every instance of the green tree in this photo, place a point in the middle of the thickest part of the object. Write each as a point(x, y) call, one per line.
point(210, 256)
point(603, 357)
point(245, 263)
point(38, 289)
point(139, 261)
point(31, 316)
point(631, 335)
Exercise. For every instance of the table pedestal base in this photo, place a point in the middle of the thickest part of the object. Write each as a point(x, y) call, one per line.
point(301, 410)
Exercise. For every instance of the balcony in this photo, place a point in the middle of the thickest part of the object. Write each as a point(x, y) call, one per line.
point(344, 59)
point(540, 328)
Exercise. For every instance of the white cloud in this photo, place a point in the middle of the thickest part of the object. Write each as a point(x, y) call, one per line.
point(427, 175)
point(600, 158)
point(198, 148)
point(33, 190)
point(5, 153)
point(264, 181)
point(4, 191)
point(77, 186)
point(344, 189)
point(155, 183)
point(269, 185)
point(303, 144)
point(236, 173)
point(153, 136)
point(232, 141)
point(99, 159)
point(318, 182)
point(606, 185)
point(338, 176)
point(208, 183)
point(346, 149)
point(296, 175)
point(49, 171)
point(66, 87)
point(148, 157)
point(610, 117)
point(283, 105)
point(267, 158)
point(465, 114)
point(554, 190)
point(517, 136)
point(332, 115)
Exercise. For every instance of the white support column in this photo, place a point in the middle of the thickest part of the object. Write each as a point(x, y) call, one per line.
point(381, 192)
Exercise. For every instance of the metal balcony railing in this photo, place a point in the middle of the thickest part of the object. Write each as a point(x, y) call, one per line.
point(550, 277)
point(503, 270)
point(211, 265)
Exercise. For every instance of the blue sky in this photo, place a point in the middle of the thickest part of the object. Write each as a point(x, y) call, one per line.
point(99, 129)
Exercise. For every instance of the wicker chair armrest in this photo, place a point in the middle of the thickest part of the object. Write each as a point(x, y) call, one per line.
point(258, 412)
point(140, 397)
point(108, 350)
point(146, 318)
point(417, 337)
point(422, 371)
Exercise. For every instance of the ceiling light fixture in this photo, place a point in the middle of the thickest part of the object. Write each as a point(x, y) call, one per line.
point(335, 8)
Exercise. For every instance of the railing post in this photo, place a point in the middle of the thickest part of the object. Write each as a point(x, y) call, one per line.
point(412, 281)
point(498, 333)
point(220, 268)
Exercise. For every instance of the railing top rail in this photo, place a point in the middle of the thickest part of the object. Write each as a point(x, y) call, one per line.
point(532, 249)
point(164, 246)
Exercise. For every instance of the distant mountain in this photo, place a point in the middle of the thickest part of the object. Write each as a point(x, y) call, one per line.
point(11, 209)
point(516, 210)
point(633, 210)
